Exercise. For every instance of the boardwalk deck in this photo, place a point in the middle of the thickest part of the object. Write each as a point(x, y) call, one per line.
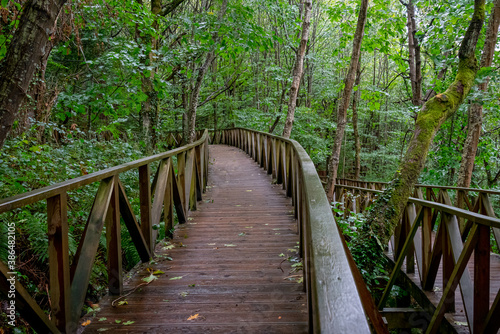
point(227, 265)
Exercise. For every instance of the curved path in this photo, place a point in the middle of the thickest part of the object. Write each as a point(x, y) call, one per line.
point(227, 270)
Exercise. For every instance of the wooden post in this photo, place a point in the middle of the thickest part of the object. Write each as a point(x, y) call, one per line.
point(145, 206)
point(59, 261)
point(113, 242)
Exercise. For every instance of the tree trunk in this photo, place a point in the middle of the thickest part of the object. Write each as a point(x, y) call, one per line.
point(476, 110)
point(357, 144)
point(190, 131)
point(344, 103)
point(414, 58)
point(27, 48)
point(298, 69)
point(388, 209)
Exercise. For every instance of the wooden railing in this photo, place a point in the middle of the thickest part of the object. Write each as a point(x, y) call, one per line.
point(337, 298)
point(68, 284)
point(459, 234)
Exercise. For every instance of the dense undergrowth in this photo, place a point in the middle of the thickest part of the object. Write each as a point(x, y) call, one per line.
point(26, 164)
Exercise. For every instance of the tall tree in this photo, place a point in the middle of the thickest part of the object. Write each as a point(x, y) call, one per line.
point(298, 69)
point(414, 59)
point(388, 210)
point(476, 109)
point(27, 48)
point(346, 97)
point(191, 103)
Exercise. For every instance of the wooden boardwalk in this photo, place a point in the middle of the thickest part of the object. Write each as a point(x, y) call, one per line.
point(228, 269)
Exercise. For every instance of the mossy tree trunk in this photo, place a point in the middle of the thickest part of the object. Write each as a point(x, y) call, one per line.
point(388, 210)
point(346, 98)
point(28, 47)
point(476, 110)
point(298, 69)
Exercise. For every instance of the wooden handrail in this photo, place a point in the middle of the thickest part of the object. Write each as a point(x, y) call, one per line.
point(68, 284)
point(453, 245)
point(333, 296)
point(478, 190)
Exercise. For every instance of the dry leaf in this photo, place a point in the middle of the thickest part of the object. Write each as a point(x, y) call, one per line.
point(193, 316)
point(86, 323)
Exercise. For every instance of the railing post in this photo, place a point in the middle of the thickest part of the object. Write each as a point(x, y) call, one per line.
point(145, 206)
point(59, 261)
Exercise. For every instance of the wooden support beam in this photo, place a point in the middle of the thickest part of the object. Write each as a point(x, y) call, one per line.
point(87, 249)
point(133, 227)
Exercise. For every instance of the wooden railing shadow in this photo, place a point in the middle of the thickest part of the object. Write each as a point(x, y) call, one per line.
point(459, 233)
point(175, 185)
point(338, 300)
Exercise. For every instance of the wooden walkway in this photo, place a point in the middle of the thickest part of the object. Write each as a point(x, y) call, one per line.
point(228, 269)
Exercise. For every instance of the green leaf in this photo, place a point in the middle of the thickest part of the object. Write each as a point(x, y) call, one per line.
point(176, 278)
point(128, 323)
point(149, 278)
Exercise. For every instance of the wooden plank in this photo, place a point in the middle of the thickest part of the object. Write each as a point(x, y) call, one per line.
point(177, 198)
point(24, 304)
point(481, 279)
point(81, 267)
point(158, 200)
point(59, 276)
point(145, 206)
point(181, 180)
point(133, 227)
point(113, 243)
point(435, 258)
point(168, 204)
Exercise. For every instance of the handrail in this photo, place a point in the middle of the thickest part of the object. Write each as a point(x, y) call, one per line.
point(453, 245)
point(334, 299)
point(68, 284)
point(419, 185)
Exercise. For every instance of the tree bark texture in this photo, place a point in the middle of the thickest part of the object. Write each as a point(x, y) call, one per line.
point(26, 51)
point(298, 69)
point(414, 58)
point(476, 110)
point(346, 97)
point(388, 209)
point(357, 143)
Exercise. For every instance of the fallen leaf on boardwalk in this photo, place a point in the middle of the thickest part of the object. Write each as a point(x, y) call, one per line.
point(192, 285)
point(248, 226)
point(229, 245)
point(118, 321)
point(158, 272)
point(279, 317)
point(277, 233)
point(184, 293)
point(282, 255)
point(86, 323)
point(102, 329)
point(168, 247)
point(193, 316)
point(238, 205)
point(211, 244)
point(168, 258)
point(242, 234)
point(174, 278)
point(123, 302)
point(249, 190)
point(103, 319)
point(166, 300)
point(461, 323)
point(128, 323)
point(149, 278)
point(190, 218)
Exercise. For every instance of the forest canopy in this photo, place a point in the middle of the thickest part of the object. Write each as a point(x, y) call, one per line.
point(137, 70)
